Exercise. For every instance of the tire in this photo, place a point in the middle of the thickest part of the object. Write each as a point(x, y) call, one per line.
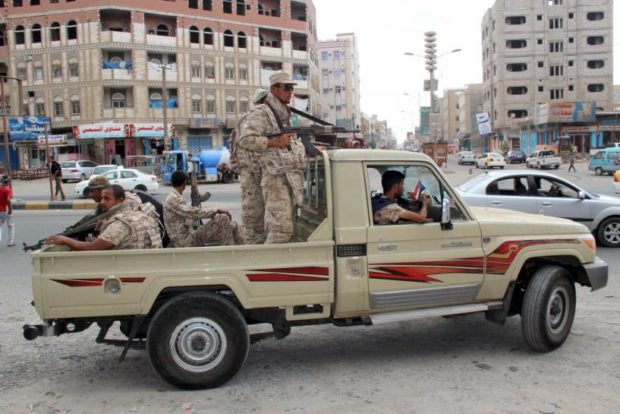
point(598, 171)
point(140, 187)
point(198, 340)
point(608, 232)
point(557, 166)
point(64, 181)
point(501, 168)
point(548, 308)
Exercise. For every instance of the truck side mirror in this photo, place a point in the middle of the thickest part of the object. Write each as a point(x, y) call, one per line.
point(446, 222)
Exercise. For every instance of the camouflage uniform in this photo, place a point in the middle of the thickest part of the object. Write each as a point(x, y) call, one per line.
point(179, 216)
point(388, 214)
point(131, 229)
point(281, 170)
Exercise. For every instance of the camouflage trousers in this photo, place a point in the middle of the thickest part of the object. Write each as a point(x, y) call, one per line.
point(278, 208)
point(252, 207)
point(220, 230)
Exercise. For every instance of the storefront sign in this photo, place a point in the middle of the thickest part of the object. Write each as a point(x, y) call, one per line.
point(211, 123)
point(565, 112)
point(98, 131)
point(144, 130)
point(53, 140)
point(27, 127)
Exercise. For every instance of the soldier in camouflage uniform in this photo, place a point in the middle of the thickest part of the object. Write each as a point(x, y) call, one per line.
point(179, 216)
point(281, 161)
point(126, 229)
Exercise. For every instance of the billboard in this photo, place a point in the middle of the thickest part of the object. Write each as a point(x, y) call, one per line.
point(484, 123)
point(565, 112)
point(27, 127)
point(98, 131)
point(146, 130)
point(425, 112)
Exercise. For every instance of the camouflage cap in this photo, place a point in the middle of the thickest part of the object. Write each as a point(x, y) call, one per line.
point(281, 78)
point(98, 182)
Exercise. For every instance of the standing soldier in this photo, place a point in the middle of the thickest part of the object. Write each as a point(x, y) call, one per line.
point(571, 159)
point(281, 160)
point(56, 175)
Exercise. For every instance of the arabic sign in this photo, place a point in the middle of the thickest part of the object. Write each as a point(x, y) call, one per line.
point(54, 140)
point(565, 112)
point(145, 130)
point(484, 123)
point(212, 123)
point(95, 131)
point(27, 127)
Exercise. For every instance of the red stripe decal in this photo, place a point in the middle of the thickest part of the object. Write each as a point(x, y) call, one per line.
point(282, 277)
point(80, 282)
point(132, 279)
point(311, 270)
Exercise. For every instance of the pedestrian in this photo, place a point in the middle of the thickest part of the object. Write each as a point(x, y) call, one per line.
point(56, 175)
point(571, 159)
point(6, 209)
point(281, 160)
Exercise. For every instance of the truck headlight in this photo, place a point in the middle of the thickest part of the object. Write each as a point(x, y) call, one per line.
point(590, 242)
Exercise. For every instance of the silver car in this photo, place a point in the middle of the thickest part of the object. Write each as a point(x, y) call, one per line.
point(77, 170)
point(466, 157)
point(544, 193)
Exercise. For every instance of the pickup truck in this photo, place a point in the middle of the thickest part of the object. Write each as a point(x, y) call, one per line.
point(191, 308)
point(543, 159)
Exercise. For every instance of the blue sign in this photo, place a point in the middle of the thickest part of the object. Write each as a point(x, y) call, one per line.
point(27, 127)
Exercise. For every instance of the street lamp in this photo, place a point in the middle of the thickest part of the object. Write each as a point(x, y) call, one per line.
point(7, 158)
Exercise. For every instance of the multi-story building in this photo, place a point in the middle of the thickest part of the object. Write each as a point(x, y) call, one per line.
point(107, 73)
point(450, 116)
point(340, 81)
point(469, 103)
point(535, 52)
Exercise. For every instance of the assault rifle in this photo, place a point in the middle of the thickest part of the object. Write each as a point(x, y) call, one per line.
point(193, 180)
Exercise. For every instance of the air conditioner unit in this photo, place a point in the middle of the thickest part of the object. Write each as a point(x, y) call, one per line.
point(28, 58)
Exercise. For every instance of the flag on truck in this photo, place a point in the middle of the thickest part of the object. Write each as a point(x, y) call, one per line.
point(417, 190)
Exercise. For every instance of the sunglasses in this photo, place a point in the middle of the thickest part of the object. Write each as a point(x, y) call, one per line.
point(287, 88)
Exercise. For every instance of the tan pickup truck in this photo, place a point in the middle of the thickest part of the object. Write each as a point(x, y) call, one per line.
point(191, 307)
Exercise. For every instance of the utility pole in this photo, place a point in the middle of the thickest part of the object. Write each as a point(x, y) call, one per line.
point(164, 98)
point(7, 158)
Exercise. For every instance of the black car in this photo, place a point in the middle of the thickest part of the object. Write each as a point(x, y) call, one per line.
point(515, 157)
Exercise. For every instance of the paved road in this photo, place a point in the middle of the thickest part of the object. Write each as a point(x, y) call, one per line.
point(466, 364)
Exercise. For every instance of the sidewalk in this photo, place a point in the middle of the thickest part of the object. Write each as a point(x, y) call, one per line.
point(35, 195)
point(53, 205)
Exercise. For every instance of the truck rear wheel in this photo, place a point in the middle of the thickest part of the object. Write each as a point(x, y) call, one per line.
point(198, 340)
point(548, 308)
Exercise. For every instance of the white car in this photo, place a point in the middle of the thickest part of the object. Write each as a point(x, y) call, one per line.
point(128, 178)
point(102, 168)
point(466, 157)
point(490, 160)
point(77, 170)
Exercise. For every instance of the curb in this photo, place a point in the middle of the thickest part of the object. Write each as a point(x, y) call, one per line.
point(53, 205)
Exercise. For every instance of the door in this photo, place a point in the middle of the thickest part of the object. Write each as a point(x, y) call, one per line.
point(129, 179)
point(197, 143)
point(511, 193)
point(413, 265)
point(558, 198)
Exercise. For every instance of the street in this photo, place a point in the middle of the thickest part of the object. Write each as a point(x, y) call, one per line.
point(465, 363)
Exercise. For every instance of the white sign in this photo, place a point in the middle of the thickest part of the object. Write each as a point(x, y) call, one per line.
point(59, 139)
point(107, 130)
point(484, 123)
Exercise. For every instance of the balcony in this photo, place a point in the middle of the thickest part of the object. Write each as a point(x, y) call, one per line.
point(115, 25)
point(156, 40)
point(300, 54)
point(118, 113)
point(117, 37)
point(116, 74)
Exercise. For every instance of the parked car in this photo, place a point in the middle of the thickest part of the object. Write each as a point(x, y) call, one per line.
point(605, 161)
point(515, 157)
point(77, 170)
point(490, 160)
point(466, 157)
point(128, 178)
point(617, 182)
point(544, 193)
point(543, 159)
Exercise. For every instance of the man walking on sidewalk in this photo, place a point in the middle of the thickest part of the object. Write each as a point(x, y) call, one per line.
point(6, 210)
point(56, 174)
point(571, 160)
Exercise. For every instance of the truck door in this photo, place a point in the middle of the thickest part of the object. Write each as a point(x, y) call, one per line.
point(413, 265)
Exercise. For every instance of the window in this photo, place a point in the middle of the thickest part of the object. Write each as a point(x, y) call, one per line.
point(516, 90)
point(231, 105)
point(18, 3)
point(596, 87)
point(571, 15)
point(539, 17)
point(207, 36)
point(195, 70)
point(162, 30)
point(556, 70)
point(571, 87)
point(324, 55)
point(194, 35)
point(539, 41)
point(595, 64)
point(571, 40)
point(547, 187)
point(75, 105)
point(207, 4)
point(119, 100)
point(541, 89)
point(229, 71)
point(516, 67)
point(72, 30)
point(38, 73)
point(74, 70)
point(516, 44)
point(513, 186)
point(22, 73)
point(241, 40)
point(556, 93)
point(210, 104)
point(244, 105)
point(56, 70)
point(193, 4)
point(595, 16)
point(241, 7)
point(554, 2)
point(35, 2)
point(595, 40)
point(556, 23)
point(570, 62)
point(517, 113)
point(209, 71)
point(229, 39)
point(59, 108)
point(35, 33)
point(227, 6)
point(541, 64)
point(39, 109)
point(514, 20)
point(243, 72)
point(55, 32)
point(20, 36)
point(128, 174)
point(196, 104)
point(555, 47)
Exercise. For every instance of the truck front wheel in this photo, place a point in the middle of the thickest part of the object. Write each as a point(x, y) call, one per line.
point(548, 308)
point(198, 340)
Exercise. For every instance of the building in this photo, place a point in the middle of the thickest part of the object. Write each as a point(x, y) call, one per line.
point(450, 116)
point(108, 73)
point(536, 52)
point(469, 103)
point(340, 81)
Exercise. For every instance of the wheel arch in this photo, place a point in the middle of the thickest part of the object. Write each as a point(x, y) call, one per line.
point(612, 212)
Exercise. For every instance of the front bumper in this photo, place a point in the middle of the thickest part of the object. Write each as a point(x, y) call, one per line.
point(597, 273)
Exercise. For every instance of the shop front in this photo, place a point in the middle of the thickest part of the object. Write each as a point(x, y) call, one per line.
point(149, 137)
point(110, 143)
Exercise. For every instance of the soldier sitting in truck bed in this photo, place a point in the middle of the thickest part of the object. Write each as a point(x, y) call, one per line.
point(390, 207)
point(125, 229)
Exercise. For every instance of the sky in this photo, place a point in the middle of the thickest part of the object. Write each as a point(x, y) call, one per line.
point(386, 29)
